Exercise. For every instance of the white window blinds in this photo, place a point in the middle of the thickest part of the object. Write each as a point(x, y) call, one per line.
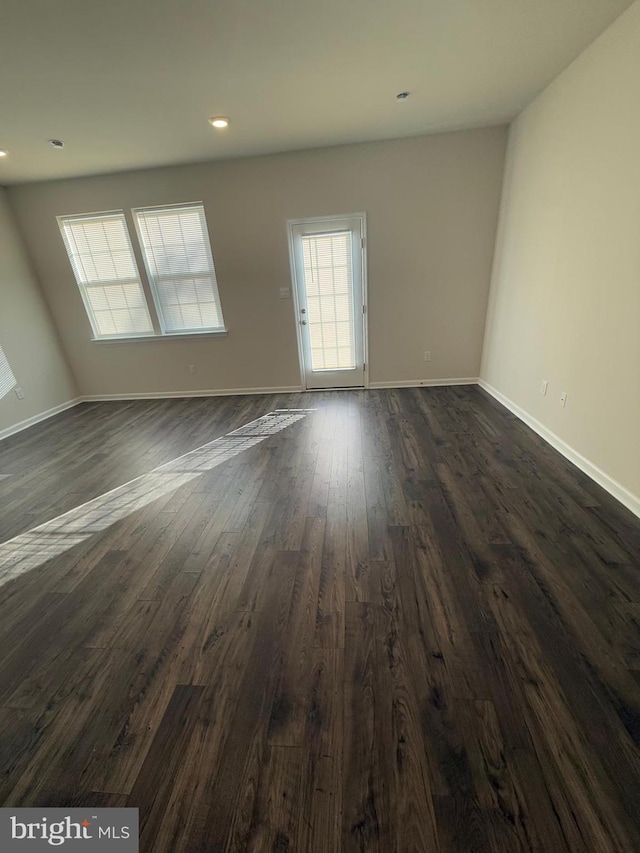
point(328, 275)
point(102, 259)
point(177, 252)
point(7, 379)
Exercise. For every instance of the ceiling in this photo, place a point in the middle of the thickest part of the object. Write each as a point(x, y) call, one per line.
point(131, 83)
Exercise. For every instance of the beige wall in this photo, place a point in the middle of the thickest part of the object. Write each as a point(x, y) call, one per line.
point(27, 335)
point(432, 205)
point(565, 298)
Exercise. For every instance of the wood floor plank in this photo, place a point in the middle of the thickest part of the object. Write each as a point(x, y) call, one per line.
point(380, 547)
point(290, 705)
point(275, 804)
point(331, 590)
point(243, 745)
point(365, 793)
point(404, 762)
point(152, 788)
point(495, 780)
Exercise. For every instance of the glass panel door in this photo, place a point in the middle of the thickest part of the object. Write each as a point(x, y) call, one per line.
point(328, 276)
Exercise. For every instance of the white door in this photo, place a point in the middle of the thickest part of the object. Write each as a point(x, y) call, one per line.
point(328, 268)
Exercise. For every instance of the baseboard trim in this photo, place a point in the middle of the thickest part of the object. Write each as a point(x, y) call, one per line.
point(162, 395)
point(159, 395)
point(425, 383)
point(36, 419)
point(613, 487)
point(217, 392)
point(616, 489)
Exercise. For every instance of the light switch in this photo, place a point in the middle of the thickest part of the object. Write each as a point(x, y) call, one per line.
point(285, 292)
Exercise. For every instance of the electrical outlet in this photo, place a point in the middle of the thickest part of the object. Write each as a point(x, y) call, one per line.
point(192, 369)
point(543, 387)
point(563, 399)
point(427, 355)
point(19, 393)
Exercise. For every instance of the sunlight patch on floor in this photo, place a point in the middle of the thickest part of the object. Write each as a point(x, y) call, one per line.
point(52, 538)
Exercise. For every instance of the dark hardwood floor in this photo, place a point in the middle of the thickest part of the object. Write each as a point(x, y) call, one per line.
point(401, 623)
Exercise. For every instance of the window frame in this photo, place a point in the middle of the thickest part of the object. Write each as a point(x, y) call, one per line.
point(153, 280)
point(89, 311)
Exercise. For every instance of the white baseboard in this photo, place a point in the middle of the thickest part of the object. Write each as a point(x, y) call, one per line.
point(218, 392)
point(161, 395)
point(617, 490)
point(631, 501)
point(35, 419)
point(425, 383)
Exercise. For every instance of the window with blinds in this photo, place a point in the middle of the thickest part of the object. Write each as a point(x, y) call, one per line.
point(177, 253)
point(328, 276)
point(7, 379)
point(103, 263)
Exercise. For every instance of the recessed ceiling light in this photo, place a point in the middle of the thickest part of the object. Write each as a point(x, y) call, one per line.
point(219, 121)
point(56, 143)
point(402, 96)
point(4, 153)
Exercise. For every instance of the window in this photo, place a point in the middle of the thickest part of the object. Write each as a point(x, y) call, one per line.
point(328, 276)
point(7, 379)
point(177, 253)
point(102, 259)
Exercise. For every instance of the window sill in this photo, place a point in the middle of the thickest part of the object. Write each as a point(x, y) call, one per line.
point(177, 336)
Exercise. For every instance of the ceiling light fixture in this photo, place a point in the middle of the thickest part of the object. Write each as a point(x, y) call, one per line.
point(219, 122)
point(56, 143)
point(4, 153)
point(402, 96)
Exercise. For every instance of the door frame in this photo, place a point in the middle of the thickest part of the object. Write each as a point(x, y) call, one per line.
point(307, 220)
